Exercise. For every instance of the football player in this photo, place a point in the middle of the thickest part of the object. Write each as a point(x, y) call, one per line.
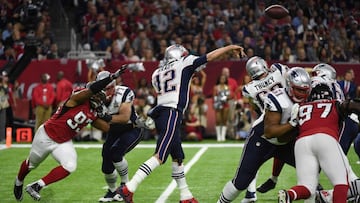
point(271, 133)
point(322, 108)
point(122, 137)
point(171, 81)
point(264, 80)
point(55, 136)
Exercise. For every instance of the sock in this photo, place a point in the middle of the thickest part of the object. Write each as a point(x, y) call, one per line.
point(277, 167)
point(229, 193)
point(122, 169)
point(144, 170)
point(24, 170)
point(179, 176)
point(55, 174)
point(218, 133)
point(252, 186)
point(111, 180)
point(340, 193)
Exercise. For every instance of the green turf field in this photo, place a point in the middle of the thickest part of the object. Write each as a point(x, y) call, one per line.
point(206, 176)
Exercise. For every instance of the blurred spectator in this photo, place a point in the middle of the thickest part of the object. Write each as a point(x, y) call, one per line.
point(42, 98)
point(4, 104)
point(159, 20)
point(193, 129)
point(11, 99)
point(347, 85)
point(63, 89)
point(142, 107)
point(338, 55)
point(243, 121)
point(130, 55)
point(286, 56)
point(54, 52)
point(148, 55)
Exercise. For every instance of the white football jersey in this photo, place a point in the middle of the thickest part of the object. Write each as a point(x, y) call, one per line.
point(122, 94)
point(257, 90)
point(172, 81)
point(279, 101)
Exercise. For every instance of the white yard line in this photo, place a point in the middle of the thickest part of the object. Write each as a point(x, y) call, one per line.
point(199, 145)
point(165, 195)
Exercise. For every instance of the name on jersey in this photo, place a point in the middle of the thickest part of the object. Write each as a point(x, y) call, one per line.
point(265, 83)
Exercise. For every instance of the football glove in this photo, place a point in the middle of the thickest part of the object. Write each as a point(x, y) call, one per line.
point(294, 121)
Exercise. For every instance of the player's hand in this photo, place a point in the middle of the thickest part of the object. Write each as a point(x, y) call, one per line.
point(147, 123)
point(238, 51)
point(294, 121)
point(119, 72)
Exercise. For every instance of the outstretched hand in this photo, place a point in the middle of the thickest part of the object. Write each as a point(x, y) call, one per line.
point(239, 52)
point(120, 71)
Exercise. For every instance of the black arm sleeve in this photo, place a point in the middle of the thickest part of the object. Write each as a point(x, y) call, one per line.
point(97, 86)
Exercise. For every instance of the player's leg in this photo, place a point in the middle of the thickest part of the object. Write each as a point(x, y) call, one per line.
point(270, 183)
point(333, 163)
point(306, 170)
point(108, 169)
point(166, 121)
point(256, 151)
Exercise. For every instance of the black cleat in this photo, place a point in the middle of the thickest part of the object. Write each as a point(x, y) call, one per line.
point(33, 190)
point(18, 192)
point(265, 187)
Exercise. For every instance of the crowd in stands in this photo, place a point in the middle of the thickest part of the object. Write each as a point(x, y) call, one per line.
point(315, 31)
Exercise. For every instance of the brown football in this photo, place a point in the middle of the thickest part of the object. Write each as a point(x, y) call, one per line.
point(276, 11)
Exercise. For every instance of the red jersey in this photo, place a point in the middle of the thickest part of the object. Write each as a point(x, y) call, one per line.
point(43, 94)
point(319, 117)
point(67, 122)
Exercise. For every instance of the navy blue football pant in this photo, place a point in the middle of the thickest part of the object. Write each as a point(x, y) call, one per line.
point(168, 125)
point(348, 134)
point(257, 151)
point(119, 140)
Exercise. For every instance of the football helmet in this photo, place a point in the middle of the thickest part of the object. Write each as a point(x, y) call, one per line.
point(319, 89)
point(323, 69)
point(256, 66)
point(110, 88)
point(97, 100)
point(298, 84)
point(175, 52)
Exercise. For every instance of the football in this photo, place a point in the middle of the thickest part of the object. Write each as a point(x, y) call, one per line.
point(276, 11)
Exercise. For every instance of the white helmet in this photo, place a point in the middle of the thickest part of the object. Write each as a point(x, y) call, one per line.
point(323, 69)
point(256, 66)
point(175, 52)
point(298, 84)
point(104, 74)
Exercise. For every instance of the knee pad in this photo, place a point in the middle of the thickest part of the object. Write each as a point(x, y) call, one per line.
point(70, 166)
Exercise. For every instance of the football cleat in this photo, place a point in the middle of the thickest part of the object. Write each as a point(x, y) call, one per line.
point(125, 194)
point(111, 196)
point(250, 197)
point(33, 189)
point(283, 197)
point(192, 200)
point(265, 187)
point(18, 191)
point(323, 196)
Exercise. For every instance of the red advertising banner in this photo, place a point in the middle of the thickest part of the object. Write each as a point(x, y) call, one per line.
point(76, 72)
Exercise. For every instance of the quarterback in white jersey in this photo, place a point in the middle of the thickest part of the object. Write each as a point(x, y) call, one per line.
point(172, 83)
